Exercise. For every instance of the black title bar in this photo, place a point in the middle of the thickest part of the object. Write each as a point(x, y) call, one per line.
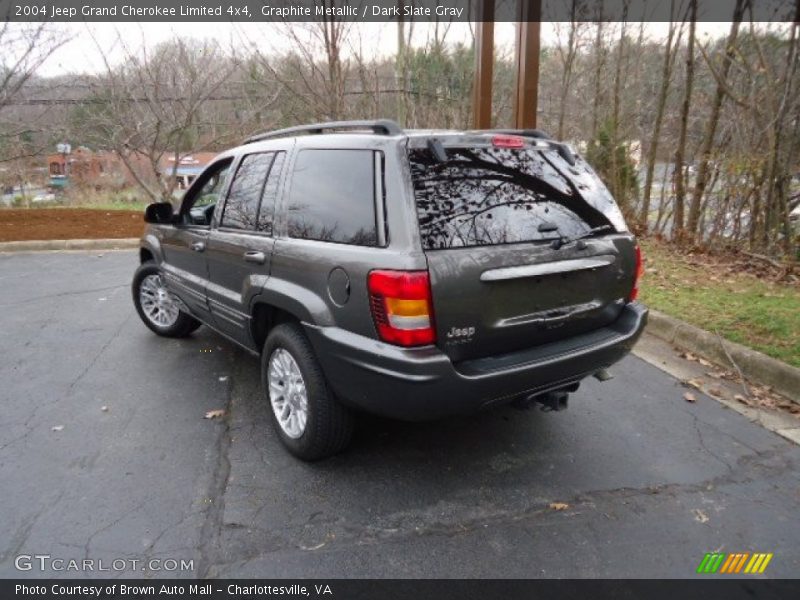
point(376, 10)
point(403, 589)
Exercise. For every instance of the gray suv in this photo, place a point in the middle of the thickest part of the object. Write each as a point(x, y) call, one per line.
point(414, 274)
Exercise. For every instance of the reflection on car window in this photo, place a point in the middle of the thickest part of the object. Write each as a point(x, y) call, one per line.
point(333, 197)
point(487, 196)
point(266, 213)
point(198, 205)
point(209, 194)
point(241, 207)
point(212, 189)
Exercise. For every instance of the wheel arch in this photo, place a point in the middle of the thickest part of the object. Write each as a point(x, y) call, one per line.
point(264, 317)
point(150, 249)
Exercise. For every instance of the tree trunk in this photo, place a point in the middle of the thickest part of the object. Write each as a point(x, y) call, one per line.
point(713, 120)
point(620, 192)
point(569, 61)
point(400, 67)
point(598, 68)
point(652, 151)
point(680, 153)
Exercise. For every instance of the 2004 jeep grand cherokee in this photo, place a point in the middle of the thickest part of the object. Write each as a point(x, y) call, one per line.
point(414, 274)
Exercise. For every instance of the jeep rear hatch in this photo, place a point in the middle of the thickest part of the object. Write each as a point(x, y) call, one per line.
point(524, 243)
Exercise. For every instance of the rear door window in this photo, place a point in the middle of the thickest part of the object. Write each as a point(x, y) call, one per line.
point(486, 196)
point(332, 197)
point(241, 206)
point(266, 214)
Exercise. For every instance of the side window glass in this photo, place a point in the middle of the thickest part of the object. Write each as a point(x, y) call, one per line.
point(199, 202)
point(241, 207)
point(266, 214)
point(209, 193)
point(332, 197)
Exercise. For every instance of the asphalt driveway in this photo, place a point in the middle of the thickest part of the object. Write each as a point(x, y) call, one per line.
point(647, 483)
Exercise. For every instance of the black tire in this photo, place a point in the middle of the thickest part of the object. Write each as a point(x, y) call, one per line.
point(329, 425)
point(184, 324)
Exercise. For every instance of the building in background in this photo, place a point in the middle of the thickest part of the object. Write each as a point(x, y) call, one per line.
point(188, 168)
point(84, 167)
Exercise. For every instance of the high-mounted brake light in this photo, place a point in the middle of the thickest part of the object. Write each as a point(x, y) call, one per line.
point(508, 141)
point(637, 275)
point(402, 307)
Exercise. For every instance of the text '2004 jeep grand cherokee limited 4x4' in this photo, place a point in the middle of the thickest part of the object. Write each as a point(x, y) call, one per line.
point(413, 274)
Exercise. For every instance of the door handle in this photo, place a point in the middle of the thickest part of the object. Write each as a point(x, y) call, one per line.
point(255, 257)
point(198, 246)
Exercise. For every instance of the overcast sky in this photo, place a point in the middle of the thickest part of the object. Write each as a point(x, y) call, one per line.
point(81, 54)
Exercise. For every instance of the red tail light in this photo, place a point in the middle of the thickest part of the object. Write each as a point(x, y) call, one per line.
point(401, 307)
point(637, 275)
point(508, 141)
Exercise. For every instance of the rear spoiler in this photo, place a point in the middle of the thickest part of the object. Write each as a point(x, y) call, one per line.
point(540, 136)
point(437, 148)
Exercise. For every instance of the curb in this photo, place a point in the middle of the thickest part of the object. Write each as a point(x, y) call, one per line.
point(45, 245)
point(759, 367)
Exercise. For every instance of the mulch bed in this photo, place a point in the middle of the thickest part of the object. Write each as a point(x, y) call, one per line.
point(68, 224)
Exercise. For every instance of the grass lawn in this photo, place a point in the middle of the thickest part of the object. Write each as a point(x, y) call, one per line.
point(111, 205)
point(736, 296)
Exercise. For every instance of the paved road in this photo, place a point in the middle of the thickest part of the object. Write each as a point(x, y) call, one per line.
point(651, 481)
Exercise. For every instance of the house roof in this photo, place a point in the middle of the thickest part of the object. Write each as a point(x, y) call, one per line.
point(193, 159)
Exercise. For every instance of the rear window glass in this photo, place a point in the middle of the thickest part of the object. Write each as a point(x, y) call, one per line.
point(332, 197)
point(489, 196)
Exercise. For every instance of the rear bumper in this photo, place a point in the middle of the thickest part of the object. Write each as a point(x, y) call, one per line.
point(422, 383)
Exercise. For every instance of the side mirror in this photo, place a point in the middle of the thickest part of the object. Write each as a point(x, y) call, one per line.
point(159, 212)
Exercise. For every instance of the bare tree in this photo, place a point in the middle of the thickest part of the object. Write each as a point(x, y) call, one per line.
point(315, 73)
point(679, 173)
point(713, 119)
point(617, 169)
point(157, 107)
point(25, 47)
point(599, 51)
point(670, 54)
point(568, 54)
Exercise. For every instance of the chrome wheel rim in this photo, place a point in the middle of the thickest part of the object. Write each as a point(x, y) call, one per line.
point(287, 393)
point(158, 304)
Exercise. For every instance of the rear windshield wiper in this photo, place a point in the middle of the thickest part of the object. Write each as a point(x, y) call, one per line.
point(564, 240)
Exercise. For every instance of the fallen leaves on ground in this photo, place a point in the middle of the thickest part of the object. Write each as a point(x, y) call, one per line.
point(759, 396)
point(312, 548)
point(695, 382)
point(215, 414)
point(694, 358)
point(700, 516)
point(559, 505)
point(717, 374)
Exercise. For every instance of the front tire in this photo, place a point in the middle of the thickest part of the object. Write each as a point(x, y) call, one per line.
point(157, 307)
point(309, 420)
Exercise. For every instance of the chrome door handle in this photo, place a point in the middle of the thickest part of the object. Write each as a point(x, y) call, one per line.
point(255, 257)
point(198, 246)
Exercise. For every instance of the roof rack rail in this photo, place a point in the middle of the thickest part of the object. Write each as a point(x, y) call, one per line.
point(380, 127)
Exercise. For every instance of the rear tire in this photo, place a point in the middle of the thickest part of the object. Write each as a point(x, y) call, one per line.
point(157, 308)
point(309, 420)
